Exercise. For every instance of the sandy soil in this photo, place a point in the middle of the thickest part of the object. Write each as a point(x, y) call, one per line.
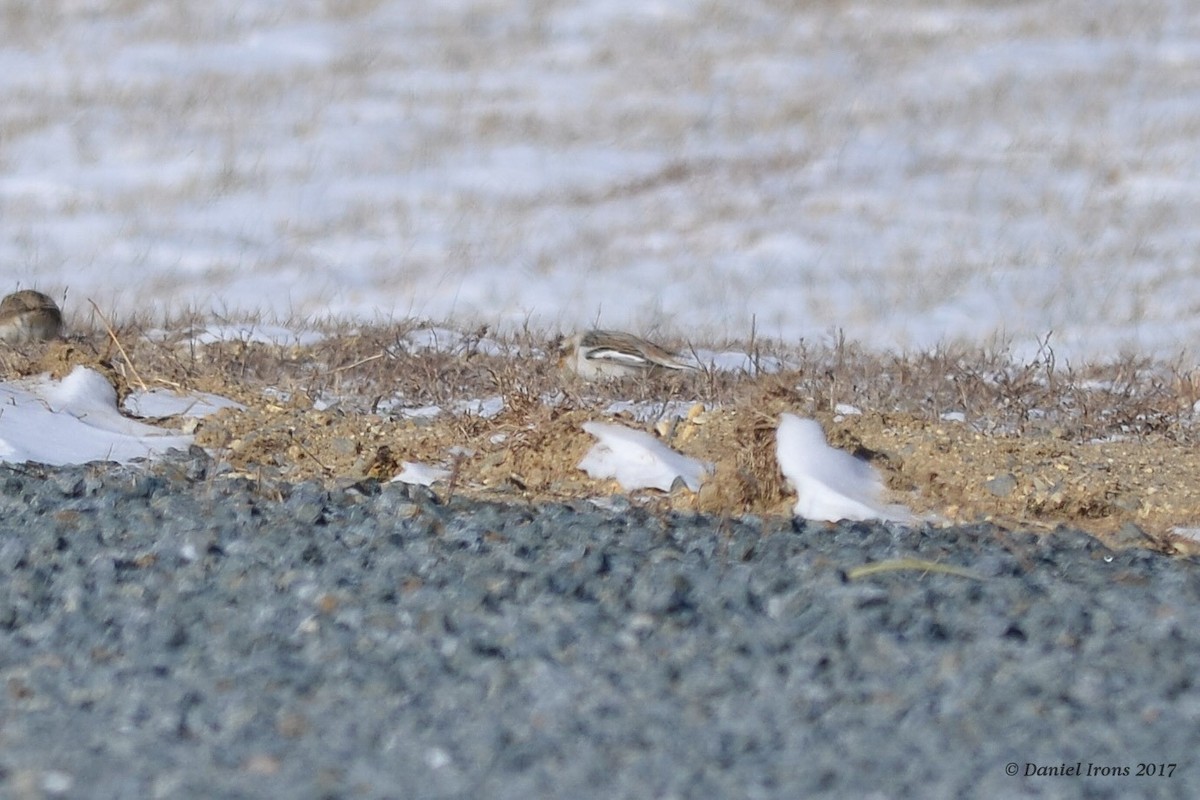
point(1110, 449)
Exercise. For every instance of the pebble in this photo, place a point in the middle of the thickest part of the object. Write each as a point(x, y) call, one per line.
point(1001, 485)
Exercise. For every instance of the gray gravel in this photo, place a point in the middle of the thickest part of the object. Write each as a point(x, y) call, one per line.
point(170, 632)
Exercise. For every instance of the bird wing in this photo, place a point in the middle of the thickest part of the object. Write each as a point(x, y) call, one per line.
point(628, 349)
point(619, 356)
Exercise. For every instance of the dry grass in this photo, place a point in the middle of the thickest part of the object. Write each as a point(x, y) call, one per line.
point(960, 434)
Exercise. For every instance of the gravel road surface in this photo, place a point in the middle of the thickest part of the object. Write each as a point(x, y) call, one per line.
point(169, 631)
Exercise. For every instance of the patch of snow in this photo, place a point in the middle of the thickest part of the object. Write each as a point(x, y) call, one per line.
point(637, 460)
point(414, 472)
point(246, 333)
point(278, 395)
point(74, 421)
point(651, 412)
point(830, 484)
point(1192, 534)
point(735, 361)
point(420, 412)
point(484, 408)
point(847, 410)
point(165, 403)
point(954, 416)
point(447, 340)
point(1188, 533)
point(438, 340)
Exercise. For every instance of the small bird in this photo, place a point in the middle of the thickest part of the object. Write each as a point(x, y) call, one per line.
point(29, 316)
point(598, 354)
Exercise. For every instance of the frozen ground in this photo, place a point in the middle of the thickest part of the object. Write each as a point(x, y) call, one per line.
point(908, 172)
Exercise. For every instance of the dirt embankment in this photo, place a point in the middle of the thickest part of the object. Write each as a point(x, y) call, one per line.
point(959, 437)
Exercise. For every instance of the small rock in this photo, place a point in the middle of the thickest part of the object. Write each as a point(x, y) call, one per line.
point(1001, 485)
point(56, 783)
point(1131, 535)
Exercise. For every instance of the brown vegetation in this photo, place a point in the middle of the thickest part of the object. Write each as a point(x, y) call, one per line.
point(960, 435)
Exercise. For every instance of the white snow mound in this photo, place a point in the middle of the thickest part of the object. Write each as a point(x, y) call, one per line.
point(414, 472)
point(830, 484)
point(74, 421)
point(637, 460)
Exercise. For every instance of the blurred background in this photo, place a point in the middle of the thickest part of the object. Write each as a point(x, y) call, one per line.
point(908, 173)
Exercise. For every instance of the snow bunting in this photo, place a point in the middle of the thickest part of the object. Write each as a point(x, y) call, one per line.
point(29, 316)
point(612, 354)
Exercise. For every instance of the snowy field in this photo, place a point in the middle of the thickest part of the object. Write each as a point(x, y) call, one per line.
point(910, 173)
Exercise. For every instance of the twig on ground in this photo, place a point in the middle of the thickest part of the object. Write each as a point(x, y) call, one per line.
point(910, 564)
point(112, 334)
